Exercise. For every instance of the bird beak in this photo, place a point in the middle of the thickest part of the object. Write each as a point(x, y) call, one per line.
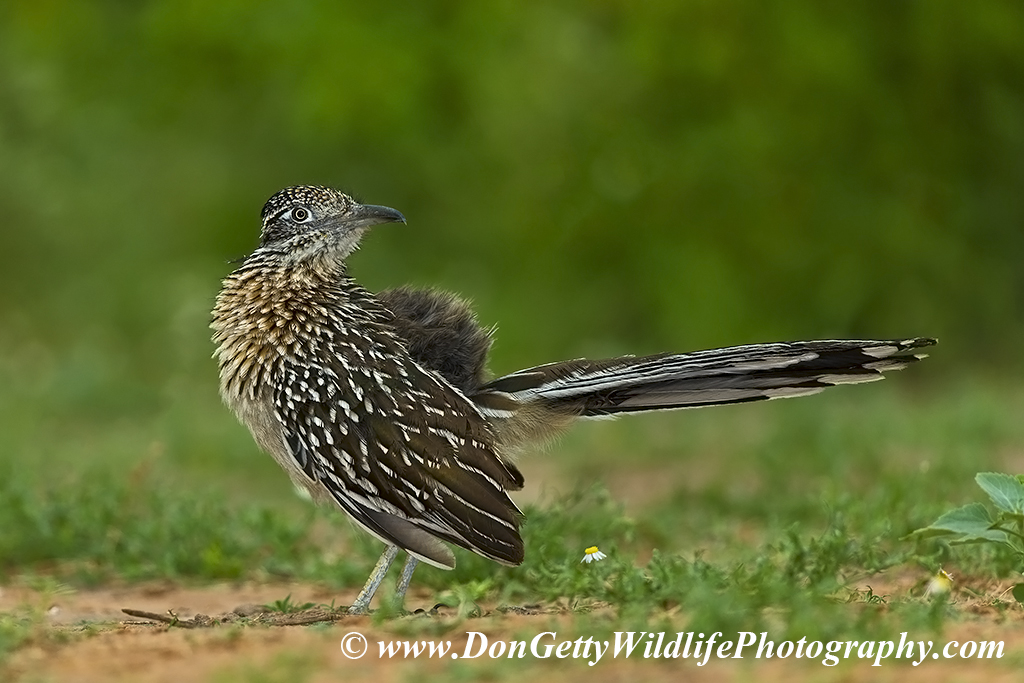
point(366, 215)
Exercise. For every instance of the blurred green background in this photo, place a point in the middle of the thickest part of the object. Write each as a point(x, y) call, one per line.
point(600, 177)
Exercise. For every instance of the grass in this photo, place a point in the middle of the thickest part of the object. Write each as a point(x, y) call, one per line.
point(28, 624)
point(294, 667)
point(773, 517)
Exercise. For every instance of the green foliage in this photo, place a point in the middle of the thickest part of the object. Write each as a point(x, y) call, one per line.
point(16, 630)
point(288, 667)
point(970, 524)
point(28, 624)
point(286, 606)
point(101, 528)
point(1006, 492)
point(974, 523)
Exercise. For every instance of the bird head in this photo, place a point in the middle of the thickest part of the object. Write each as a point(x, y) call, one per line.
point(311, 222)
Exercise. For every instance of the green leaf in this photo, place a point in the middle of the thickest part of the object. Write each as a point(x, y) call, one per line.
point(1009, 518)
point(1006, 491)
point(1018, 593)
point(971, 522)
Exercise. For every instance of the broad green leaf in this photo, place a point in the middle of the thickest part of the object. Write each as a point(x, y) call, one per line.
point(971, 522)
point(1006, 491)
point(1018, 593)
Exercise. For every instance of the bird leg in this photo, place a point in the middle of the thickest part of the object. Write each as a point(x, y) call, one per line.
point(404, 580)
point(362, 601)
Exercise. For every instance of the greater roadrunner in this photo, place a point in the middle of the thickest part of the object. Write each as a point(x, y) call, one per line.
point(379, 403)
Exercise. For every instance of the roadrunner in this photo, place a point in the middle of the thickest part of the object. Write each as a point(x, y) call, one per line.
point(379, 404)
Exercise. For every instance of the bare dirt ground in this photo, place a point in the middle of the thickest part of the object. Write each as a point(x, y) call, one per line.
point(97, 642)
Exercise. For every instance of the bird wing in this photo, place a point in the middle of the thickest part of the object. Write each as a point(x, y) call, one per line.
point(405, 454)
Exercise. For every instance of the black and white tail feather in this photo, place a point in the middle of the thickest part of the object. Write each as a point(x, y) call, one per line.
point(442, 334)
point(738, 374)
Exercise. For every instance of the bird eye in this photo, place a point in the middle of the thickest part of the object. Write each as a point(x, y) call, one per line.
point(300, 215)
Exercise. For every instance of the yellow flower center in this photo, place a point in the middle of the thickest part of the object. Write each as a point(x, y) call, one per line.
point(591, 550)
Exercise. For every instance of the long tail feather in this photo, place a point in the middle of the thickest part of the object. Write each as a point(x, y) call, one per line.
point(736, 374)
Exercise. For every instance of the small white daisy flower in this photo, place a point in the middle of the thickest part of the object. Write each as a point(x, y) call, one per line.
point(592, 555)
point(939, 584)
